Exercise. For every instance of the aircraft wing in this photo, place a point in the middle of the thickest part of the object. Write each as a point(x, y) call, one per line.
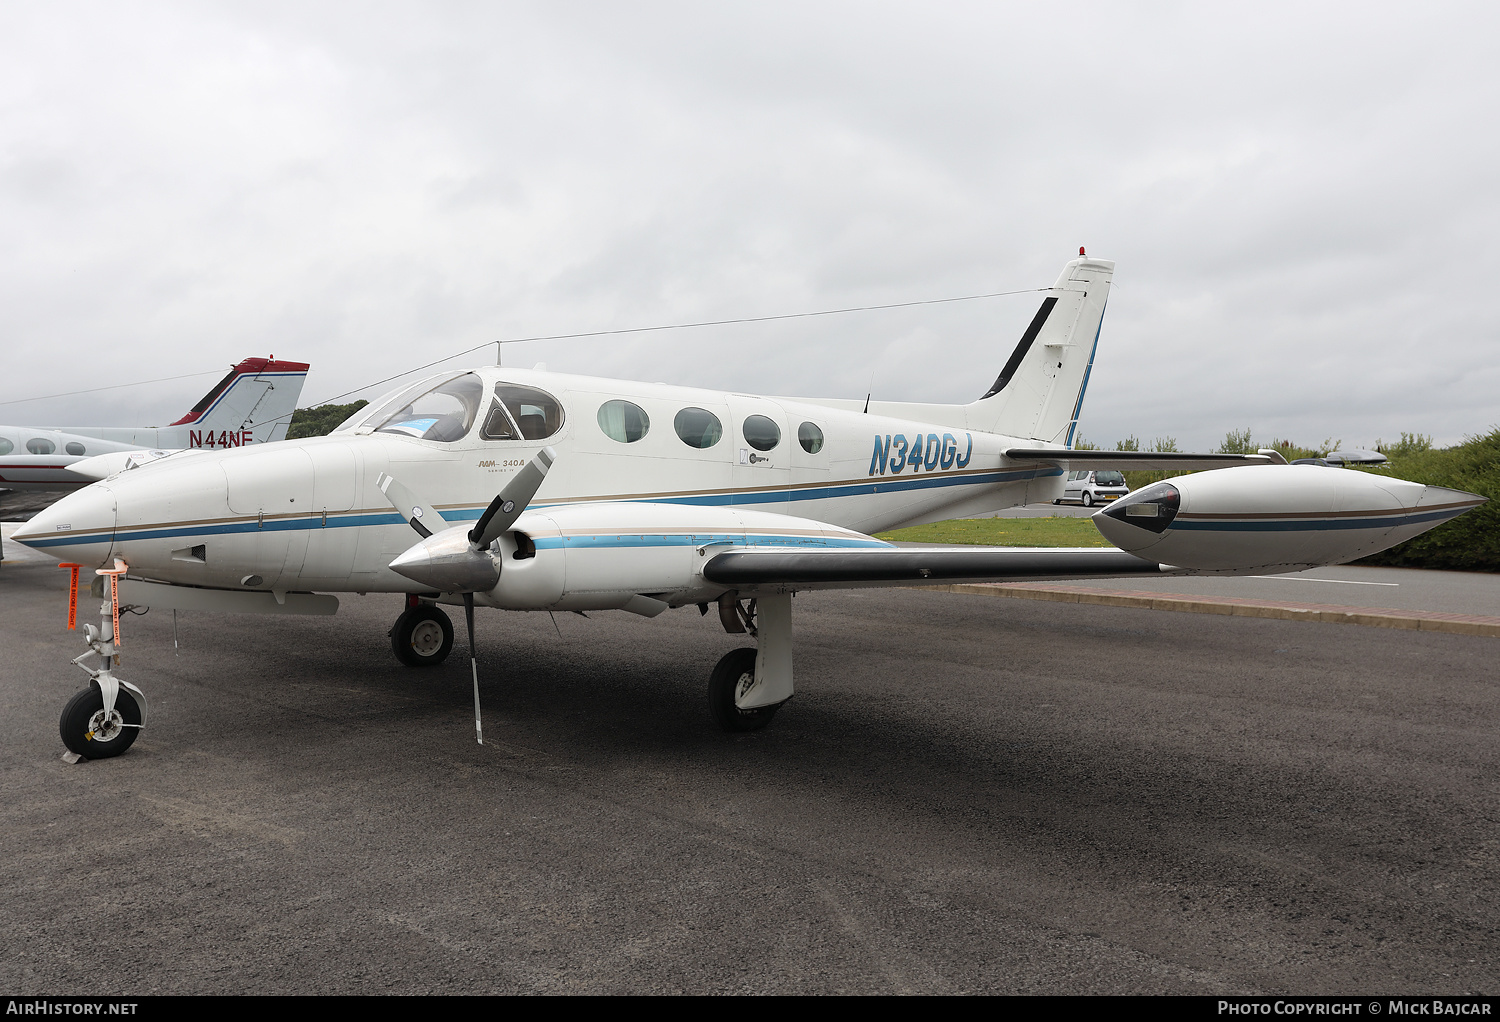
point(1129, 461)
point(785, 570)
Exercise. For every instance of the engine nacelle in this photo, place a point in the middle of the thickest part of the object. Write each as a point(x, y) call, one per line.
point(602, 556)
point(1275, 518)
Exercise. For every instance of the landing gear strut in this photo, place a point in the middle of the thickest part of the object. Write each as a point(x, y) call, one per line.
point(749, 685)
point(104, 719)
point(422, 636)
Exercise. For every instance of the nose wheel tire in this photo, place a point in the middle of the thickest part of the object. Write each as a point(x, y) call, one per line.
point(93, 734)
point(422, 636)
point(733, 676)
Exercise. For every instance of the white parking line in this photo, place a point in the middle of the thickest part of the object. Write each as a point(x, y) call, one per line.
point(1340, 581)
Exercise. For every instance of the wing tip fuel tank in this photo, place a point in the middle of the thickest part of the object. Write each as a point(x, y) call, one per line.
point(1283, 517)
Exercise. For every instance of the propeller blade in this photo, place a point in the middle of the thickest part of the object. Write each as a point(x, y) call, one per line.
point(511, 501)
point(473, 663)
point(421, 517)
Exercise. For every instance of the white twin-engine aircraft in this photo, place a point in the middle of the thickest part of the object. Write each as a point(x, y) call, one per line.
point(253, 404)
point(644, 497)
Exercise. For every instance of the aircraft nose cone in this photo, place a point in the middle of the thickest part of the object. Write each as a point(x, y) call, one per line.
point(79, 527)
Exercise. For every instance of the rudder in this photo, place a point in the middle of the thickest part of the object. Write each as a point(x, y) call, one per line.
point(1039, 393)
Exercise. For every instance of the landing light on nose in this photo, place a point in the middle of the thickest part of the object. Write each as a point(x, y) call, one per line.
point(1152, 508)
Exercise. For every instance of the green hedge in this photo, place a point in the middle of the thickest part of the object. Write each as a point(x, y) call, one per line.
point(320, 421)
point(1471, 542)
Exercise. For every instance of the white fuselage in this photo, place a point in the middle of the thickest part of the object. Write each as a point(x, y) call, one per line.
point(307, 514)
point(37, 459)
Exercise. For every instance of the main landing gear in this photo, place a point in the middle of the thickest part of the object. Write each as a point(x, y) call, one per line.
point(422, 636)
point(748, 686)
point(745, 690)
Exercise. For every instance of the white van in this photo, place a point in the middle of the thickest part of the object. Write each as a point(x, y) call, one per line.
point(1090, 488)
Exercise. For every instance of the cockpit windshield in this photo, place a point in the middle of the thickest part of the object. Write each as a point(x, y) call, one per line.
point(443, 413)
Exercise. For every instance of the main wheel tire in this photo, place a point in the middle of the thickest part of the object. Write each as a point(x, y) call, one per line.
point(89, 732)
point(422, 636)
point(1088, 499)
point(734, 674)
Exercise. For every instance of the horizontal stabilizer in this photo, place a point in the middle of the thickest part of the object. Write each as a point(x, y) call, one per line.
point(1130, 461)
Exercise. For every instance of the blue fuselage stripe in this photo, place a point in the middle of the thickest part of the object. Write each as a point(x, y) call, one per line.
point(878, 484)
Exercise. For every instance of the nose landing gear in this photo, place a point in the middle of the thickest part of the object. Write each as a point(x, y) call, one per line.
point(104, 719)
point(91, 731)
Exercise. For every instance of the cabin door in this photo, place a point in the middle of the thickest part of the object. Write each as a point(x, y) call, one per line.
point(761, 450)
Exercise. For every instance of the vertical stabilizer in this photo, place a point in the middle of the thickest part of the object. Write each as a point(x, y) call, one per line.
point(257, 397)
point(1039, 393)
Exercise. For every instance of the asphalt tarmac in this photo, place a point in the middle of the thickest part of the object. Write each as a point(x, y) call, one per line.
point(968, 794)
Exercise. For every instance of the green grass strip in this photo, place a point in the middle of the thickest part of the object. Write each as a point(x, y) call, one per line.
point(1065, 532)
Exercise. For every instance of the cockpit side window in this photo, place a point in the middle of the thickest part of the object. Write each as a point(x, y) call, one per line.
point(536, 413)
point(445, 413)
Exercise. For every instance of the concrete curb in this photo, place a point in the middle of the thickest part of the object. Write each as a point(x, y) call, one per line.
point(1373, 617)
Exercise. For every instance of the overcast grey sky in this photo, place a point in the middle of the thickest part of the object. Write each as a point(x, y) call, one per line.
point(1290, 193)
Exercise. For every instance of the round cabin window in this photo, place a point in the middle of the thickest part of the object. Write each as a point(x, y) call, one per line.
point(37, 445)
point(698, 427)
point(761, 433)
point(810, 437)
point(624, 421)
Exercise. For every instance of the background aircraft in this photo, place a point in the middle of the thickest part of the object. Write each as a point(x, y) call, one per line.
point(251, 405)
point(645, 497)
